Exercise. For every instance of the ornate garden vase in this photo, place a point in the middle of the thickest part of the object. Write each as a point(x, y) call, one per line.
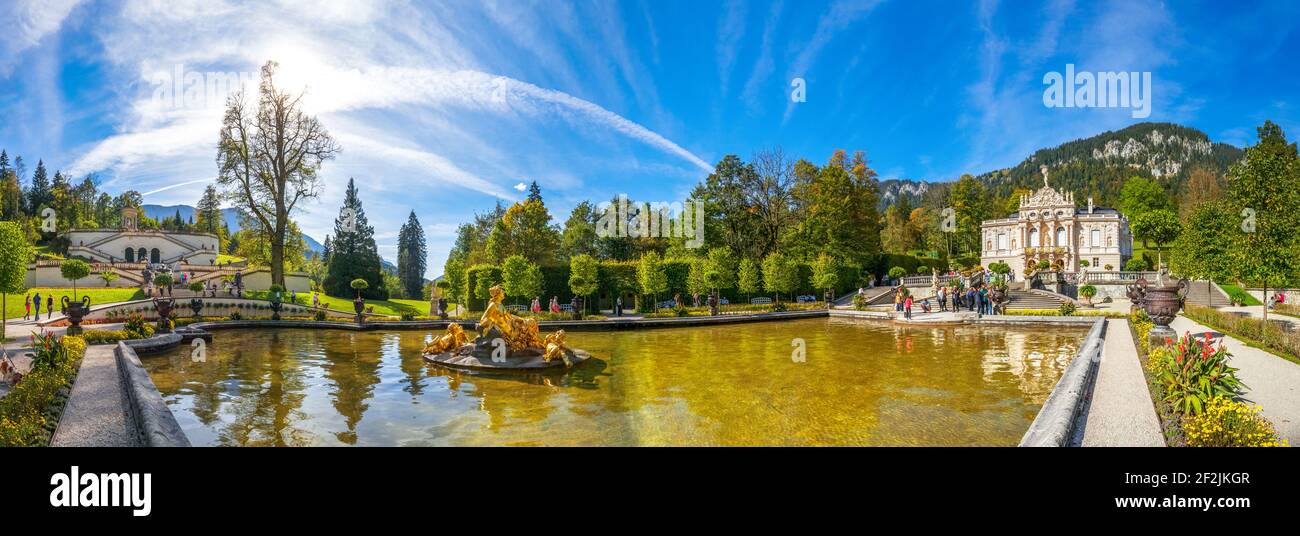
point(1161, 302)
point(196, 305)
point(276, 305)
point(998, 295)
point(166, 308)
point(75, 311)
point(359, 305)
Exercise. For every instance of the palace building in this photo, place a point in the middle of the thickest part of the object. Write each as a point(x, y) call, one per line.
point(1049, 226)
point(130, 244)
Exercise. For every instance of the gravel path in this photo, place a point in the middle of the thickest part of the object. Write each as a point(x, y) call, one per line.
point(96, 414)
point(1273, 382)
point(1121, 413)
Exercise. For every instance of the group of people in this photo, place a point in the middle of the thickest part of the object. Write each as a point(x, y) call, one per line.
point(553, 307)
point(1275, 299)
point(949, 297)
point(35, 300)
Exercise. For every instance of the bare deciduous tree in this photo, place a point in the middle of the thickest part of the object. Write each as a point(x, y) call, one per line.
point(268, 159)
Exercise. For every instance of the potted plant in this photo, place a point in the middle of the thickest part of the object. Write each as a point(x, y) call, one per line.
point(196, 304)
point(277, 301)
point(74, 309)
point(359, 304)
point(1087, 292)
point(162, 281)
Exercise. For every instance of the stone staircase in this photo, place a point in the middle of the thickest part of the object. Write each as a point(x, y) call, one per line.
point(1198, 294)
point(1023, 299)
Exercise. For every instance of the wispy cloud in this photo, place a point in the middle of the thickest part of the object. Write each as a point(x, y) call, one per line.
point(26, 23)
point(841, 15)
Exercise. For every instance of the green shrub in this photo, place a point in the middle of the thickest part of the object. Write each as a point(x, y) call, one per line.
point(1136, 265)
point(104, 336)
point(1066, 308)
point(236, 316)
point(320, 316)
point(407, 316)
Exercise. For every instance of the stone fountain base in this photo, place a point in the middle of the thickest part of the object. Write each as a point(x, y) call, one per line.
point(465, 358)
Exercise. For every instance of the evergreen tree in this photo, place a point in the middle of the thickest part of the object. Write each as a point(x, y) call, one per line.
point(412, 255)
point(208, 212)
point(534, 192)
point(38, 194)
point(354, 254)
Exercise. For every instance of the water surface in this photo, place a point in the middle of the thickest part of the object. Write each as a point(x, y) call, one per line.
point(860, 383)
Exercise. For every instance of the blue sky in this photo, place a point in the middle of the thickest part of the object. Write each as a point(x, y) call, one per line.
point(443, 107)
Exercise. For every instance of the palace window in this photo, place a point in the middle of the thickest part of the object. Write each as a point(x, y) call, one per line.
point(1002, 241)
point(1060, 236)
point(1033, 238)
point(1095, 240)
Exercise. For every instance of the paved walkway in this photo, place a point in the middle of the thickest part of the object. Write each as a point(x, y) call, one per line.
point(1121, 413)
point(96, 414)
point(1273, 382)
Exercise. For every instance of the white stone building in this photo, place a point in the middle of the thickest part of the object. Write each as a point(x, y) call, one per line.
point(1050, 227)
point(130, 244)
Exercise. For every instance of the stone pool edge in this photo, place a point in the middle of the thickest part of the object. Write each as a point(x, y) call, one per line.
point(154, 423)
point(1058, 423)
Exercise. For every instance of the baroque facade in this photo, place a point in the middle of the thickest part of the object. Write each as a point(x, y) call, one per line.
point(131, 244)
point(1049, 226)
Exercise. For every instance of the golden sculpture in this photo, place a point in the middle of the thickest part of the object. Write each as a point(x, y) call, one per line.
point(453, 339)
point(555, 348)
point(519, 333)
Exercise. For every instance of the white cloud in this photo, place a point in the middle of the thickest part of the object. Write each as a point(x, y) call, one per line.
point(26, 23)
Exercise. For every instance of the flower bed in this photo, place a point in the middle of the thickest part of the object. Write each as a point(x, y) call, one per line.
point(30, 412)
point(1195, 392)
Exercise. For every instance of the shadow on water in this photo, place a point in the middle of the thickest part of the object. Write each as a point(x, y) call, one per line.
point(582, 375)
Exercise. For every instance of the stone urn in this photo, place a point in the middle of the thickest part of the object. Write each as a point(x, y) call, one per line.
point(276, 305)
point(166, 308)
point(442, 308)
point(1161, 300)
point(998, 295)
point(359, 305)
point(75, 311)
point(196, 305)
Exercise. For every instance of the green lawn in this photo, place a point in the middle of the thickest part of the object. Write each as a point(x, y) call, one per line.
point(388, 307)
point(1249, 298)
point(98, 296)
point(223, 259)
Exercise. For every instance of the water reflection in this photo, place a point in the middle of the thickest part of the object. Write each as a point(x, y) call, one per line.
point(862, 383)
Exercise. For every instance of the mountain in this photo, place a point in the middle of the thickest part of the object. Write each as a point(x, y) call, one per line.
point(1095, 167)
point(1098, 166)
point(231, 216)
point(891, 190)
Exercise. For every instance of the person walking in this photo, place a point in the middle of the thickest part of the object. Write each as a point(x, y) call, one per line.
point(907, 308)
point(27, 307)
point(49, 306)
point(37, 300)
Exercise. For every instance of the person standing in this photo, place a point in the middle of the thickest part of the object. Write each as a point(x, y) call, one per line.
point(943, 294)
point(898, 299)
point(49, 305)
point(907, 308)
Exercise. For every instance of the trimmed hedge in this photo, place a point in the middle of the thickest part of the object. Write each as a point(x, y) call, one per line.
point(617, 278)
